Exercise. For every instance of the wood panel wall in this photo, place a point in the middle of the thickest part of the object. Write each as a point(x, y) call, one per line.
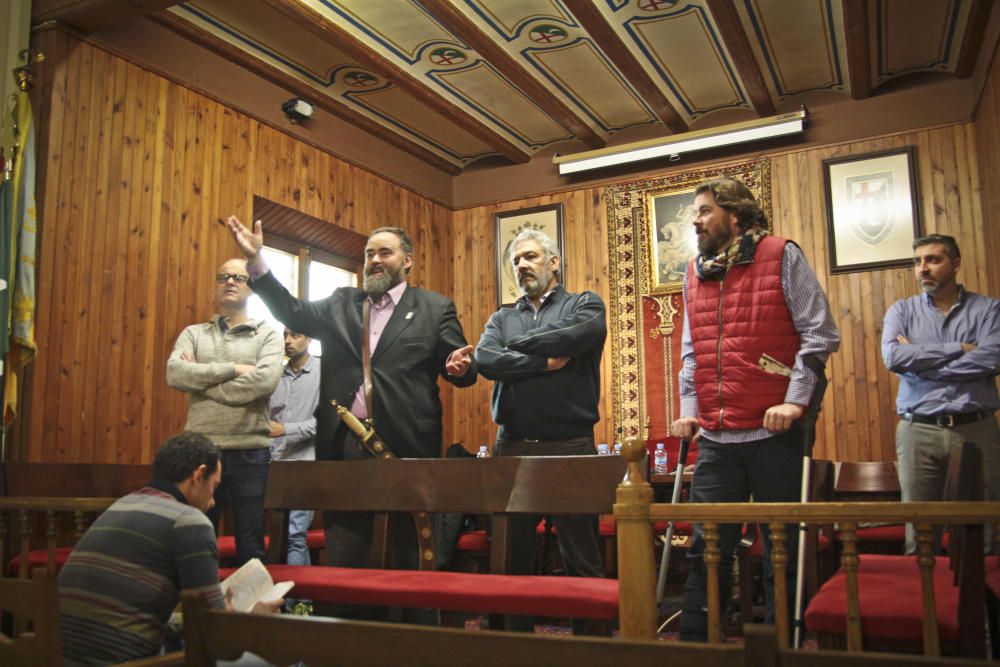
point(858, 419)
point(137, 172)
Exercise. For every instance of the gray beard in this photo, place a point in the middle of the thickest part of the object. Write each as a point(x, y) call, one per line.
point(378, 284)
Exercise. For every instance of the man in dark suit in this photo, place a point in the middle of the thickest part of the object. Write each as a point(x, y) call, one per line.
point(414, 336)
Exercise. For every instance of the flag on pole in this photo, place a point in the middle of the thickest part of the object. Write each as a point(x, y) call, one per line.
point(20, 260)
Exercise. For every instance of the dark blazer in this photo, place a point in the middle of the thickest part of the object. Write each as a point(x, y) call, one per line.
point(410, 355)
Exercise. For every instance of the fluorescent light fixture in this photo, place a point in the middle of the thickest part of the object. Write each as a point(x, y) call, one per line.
point(676, 145)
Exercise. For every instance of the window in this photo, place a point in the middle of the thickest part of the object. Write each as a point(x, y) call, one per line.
point(301, 271)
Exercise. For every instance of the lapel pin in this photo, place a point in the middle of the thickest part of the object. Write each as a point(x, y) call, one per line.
point(409, 315)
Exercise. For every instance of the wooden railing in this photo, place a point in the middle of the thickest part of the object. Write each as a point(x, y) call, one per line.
point(28, 524)
point(635, 513)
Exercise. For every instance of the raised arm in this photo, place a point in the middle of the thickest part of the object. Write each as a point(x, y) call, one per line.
point(580, 330)
point(258, 383)
point(184, 373)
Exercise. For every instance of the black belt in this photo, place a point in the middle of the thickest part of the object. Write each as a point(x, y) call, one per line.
point(947, 421)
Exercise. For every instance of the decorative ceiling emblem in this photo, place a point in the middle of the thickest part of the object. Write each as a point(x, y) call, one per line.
point(447, 55)
point(358, 79)
point(870, 197)
point(656, 5)
point(547, 34)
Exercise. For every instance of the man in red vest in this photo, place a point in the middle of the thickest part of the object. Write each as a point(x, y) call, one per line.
point(757, 333)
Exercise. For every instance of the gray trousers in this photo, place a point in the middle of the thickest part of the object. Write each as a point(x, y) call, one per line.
point(922, 450)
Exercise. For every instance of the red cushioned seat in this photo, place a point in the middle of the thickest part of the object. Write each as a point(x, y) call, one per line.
point(890, 600)
point(473, 540)
point(316, 539)
point(577, 597)
point(227, 545)
point(993, 575)
point(40, 558)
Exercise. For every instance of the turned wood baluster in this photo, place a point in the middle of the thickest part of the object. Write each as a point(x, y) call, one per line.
point(637, 585)
point(711, 558)
point(779, 562)
point(22, 570)
point(51, 532)
point(3, 543)
point(79, 525)
point(925, 559)
point(849, 562)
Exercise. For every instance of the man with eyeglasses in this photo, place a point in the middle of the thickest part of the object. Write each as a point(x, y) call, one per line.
point(229, 366)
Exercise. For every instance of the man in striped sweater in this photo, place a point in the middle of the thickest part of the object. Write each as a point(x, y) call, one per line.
point(125, 576)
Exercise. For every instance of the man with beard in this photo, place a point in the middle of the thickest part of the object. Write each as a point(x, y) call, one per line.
point(293, 428)
point(413, 336)
point(757, 333)
point(229, 366)
point(544, 355)
point(945, 346)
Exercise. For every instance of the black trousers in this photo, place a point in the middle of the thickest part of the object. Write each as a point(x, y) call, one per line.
point(578, 534)
point(771, 471)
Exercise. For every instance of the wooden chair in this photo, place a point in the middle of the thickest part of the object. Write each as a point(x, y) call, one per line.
point(212, 635)
point(869, 481)
point(32, 610)
point(889, 586)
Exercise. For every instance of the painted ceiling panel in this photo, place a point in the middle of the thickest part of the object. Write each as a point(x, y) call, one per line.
point(687, 53)
point(510, 16)
point(488, 92)
point(917, 36)
point(396, 104)
point(799, 46)
point(595, 86)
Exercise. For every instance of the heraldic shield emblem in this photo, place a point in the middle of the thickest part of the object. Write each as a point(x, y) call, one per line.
point(870, 198)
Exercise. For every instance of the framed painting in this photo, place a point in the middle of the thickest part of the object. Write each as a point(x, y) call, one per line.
point(872, 210)
point(546, 219)
point(673, 242)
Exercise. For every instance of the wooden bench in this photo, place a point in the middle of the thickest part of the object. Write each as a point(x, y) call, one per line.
point(500, 487)
point(635, 513)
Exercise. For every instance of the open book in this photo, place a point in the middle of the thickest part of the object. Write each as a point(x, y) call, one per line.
point(251, 584)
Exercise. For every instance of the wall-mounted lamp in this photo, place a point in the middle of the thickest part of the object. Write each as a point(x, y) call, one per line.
point(297, 109)
point(676, 145)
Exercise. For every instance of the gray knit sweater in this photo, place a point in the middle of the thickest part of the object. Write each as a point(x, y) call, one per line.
point(230, 410)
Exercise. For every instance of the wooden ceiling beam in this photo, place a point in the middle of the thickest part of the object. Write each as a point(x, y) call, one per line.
point(972, 41)
point(858, 44)
point(89, 16)
point(590, 18)
point(296, 87)
point(459, 24)
point(727, 20)
point(344, 41)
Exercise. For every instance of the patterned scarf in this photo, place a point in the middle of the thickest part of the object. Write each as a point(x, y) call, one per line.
point(740, 250)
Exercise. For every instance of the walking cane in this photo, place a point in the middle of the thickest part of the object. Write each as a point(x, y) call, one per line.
point(818, 367)
point(661, 581)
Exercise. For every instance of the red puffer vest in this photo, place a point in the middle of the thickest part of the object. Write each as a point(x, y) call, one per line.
point(733, 322)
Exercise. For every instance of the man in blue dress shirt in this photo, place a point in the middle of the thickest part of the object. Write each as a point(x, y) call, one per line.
point(945, 346)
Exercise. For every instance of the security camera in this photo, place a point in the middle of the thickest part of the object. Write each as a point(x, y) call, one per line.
point(297, 109)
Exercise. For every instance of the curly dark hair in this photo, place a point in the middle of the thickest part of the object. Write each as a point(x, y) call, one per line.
point(734, 196)
point(181, 455)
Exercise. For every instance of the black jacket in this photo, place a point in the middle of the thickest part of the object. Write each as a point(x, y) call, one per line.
point(528, 400)
point(410, 355)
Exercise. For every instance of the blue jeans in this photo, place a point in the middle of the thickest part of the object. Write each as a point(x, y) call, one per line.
point(244, 482)
point(298, 528)
point(771, 471)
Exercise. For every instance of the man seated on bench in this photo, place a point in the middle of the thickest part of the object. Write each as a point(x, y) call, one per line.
point(125, 576)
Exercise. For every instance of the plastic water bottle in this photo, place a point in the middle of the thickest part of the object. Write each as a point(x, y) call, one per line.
point(483, 453)
point(660, 460)
point(602, 449)
point(618, 448)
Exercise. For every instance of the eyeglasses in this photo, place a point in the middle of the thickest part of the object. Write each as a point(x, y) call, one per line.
point(222, 278)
